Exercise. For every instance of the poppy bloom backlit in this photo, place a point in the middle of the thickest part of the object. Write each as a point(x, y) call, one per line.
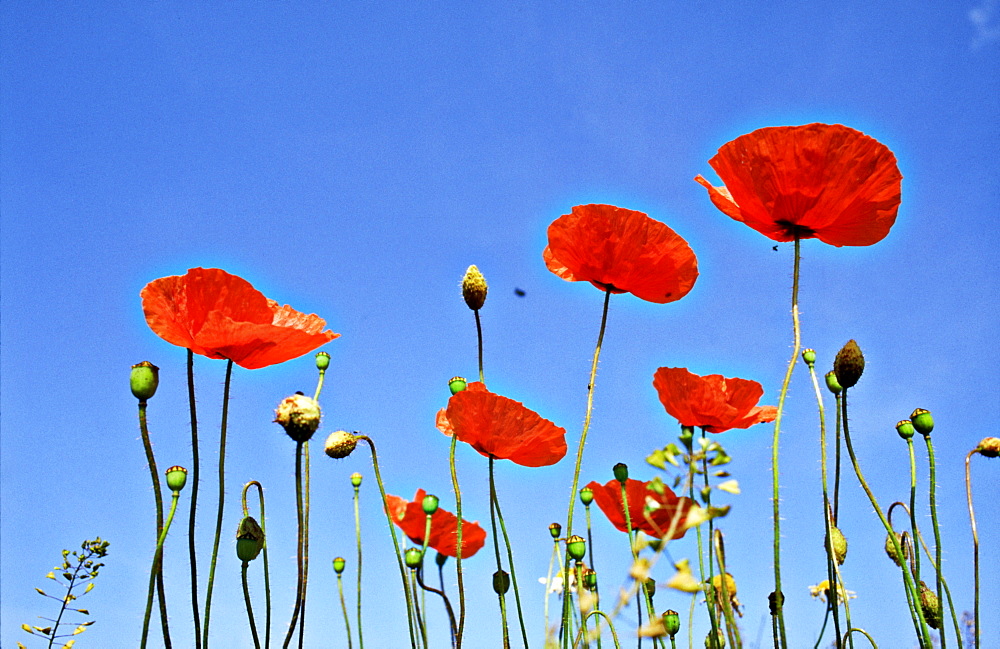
point(410, 517)
point(501, 428)
point(825, 181)
point(649, 511)
point(712, 402)
point(622, 251)
point(219, 315)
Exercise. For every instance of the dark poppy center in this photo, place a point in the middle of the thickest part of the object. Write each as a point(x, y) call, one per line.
point(796, 231)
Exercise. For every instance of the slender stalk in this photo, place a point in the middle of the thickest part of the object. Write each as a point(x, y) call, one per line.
point(590, 557)
point(710, 587)
point(447, 604)
point(267, 572)
point(796, 336)
point(513, 572)
point(156, 562)
point(610, 626)
point(343, 606)
point(357, 533)
point(732, 630)
point(913, 507)
point(635, 555)
point(836, 469)
point(305, 546)
point(496, 551)
point(479, 337)
point(417, 614)
point(158, 498)
point(975, 543)
point(195, 466)
point(548, 584)
point(458, 540)
point(246, 598)
point(222, 498)
point(864, 633)
point(937, 538)
point(298, 544)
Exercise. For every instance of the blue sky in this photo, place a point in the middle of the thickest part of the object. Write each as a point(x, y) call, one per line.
point(352, 159)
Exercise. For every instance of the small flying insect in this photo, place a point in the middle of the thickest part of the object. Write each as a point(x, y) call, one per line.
point(774, 248)
point(518, 292)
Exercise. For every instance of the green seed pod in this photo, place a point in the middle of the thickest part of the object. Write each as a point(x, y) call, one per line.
point(340, 444)
point(671, 623)
point(720, 639)
point(555, 529)
point(430, 504)
point(176, 478)
point(338, 565)
point(441, 559)
point(905, 429)
point(474, 288)
point(414, 557)
point(989, 447)
point(586, 496)
point(456, 384)
point(576, 547)
point(650, 586)
point(809, 356)
point(589, 579)
point(621, 472)
point(356, 479)
point(849, 365)
point(931, 606)
point(501, 582)
point(299, 415)
point(831, 383)
point(249, 539)
point(890, 549)
point(144, 380)
point(839, 545)
point(922, 421)
point(322, 361)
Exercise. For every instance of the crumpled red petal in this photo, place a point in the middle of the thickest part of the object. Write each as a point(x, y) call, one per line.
point(712, 402)
point(653, 513)
point(409, 516)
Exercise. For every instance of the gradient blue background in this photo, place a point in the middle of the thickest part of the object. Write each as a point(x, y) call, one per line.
point(352, 159)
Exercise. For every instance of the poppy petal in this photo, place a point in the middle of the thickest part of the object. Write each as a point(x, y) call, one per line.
point(712, 402)
point(409, 516)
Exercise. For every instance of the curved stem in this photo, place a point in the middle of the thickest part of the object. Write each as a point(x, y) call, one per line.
point(195, 466)
point(610, 626)
point(975, 544)
point(267, 572)
point(864, 633)
point(158, 498)
point(513, 572)
point(357, 534)
point(156, 561)
point(222, 499)
point(246, 598)
point(447, 604)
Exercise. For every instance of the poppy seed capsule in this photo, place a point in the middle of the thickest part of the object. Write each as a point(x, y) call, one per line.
point(839, 545)
point(501, 582)
point(922, 421)
point(430, 504)
point(299, 415)
point(340, 444)
point(809, 356)
point(322, 361)
point(144, 380)
point(356, 480)
point(338, 565)
point(555, 529)
point(456, 384)
point(989, 447)
point(589, 579)
point(931, 606)
point(831, 383)
point(586, 496)
point(621, 472)
point(176, 478)
point(474, 288)
point(414, 557)
point(905, 429)
point(849, 365)
point(671, 623)
point(249, 539)
point(576, 547)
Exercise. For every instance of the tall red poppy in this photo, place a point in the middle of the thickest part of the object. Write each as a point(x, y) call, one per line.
point(502, 428)
point(219, 315)
point(410, 517)
point(819, 180)
point(622, 251)
point(648, 510)
point(712, 402)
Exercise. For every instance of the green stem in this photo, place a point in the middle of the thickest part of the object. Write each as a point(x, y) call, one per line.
point(447, 604)
point(975, 543)
point(222, 498)
point(836, 469)
point(246, 598)
point(343, 606)
point(156, 562)
point(305, 548)
point(610, 626)
point(417, 614)
point(548, 585)
point(357, 534)
point(710, 587)
point(196, 464)
point(913, 508)
point(631, 547)
point(513, 572)
point(298, 544)
point(864, 633)
point(458, 540)
point(496, 551)
point(590, 557)
point(158, 498)
point(732, 630)
point(479, 337)
point(937, 539)
point(267, 572)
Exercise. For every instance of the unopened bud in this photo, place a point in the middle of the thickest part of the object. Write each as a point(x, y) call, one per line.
point(989, 447)
point(890, 548)
point(501, 582)
point(249, 539)
point(839, 545)
point(430, 504)
point(931, 606)
point(340, 444)
point(299, 415)
point(474, 288)
point(849, 364)
point(621, 472)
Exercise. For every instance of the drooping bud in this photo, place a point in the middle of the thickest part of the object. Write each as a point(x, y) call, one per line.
point(809, 356)
point(989, 447)
point(586, 496)
point(890, 549)
point(831, 383)
point(501, 582)
point(905, 429)
point(414, 557)
point(930, 605)
point(144, 380)
point(176, 478)
point(299, 415)
point(249, 539)
point(322, 361)
point(671, 623)
point(456, 384)
point(338, 565)
point(555, 529)
point(576, 547)
point(849, 365)
point(355, 480)
point(430, 504)
point(621, 472)
point(474, 288)
point(922, 421)
point(839, 545)
point(339, 445)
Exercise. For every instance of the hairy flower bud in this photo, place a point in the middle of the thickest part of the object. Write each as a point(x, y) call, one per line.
point(249, 539)
point(931, 606)
point(989, 447)
point(474, 288)
point(340, 444)
point(501, 582)
point(144, 380)
point(839, 545)
point(299, 415)
point(890, 549)
point(849, 364)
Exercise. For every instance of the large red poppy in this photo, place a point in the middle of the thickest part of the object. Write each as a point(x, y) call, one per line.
point(410, 517)
point(649, 511)
point(712, 402)
point(819, 180)
point(219, 315)
point(502, 428)
point(622, 251)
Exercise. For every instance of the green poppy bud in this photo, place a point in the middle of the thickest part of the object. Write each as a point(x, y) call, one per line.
point(905, 429)
point(849, 365)
point(501, 582)
point(430, 504)
point(576, 547)
point(176, 478)
point(338, 565)
point(890, 549)
point(839, 545)
point(456, 384)
point(809, 356)
point(322, 361)
point(650, 587)
point(299, 415)
point(441, 559)
point(340, 444)
point(414, 557)
point(831, 383)
point(621, 472)
point(989, 447)
point(671, 623)
point(922, 421)
point(249, 539)
point(144, 380)
point(474, 288)
point(589, 579)
point(930, 605)
point(555, 529)
point(586, 496)
point(687, 436)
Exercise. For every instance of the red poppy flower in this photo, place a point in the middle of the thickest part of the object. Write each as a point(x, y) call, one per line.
point(712, 402)
point(410, 517)
point(622, 251)
point(219, 315)
point(502, 428)
point(819, 180)
point(649, 511)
